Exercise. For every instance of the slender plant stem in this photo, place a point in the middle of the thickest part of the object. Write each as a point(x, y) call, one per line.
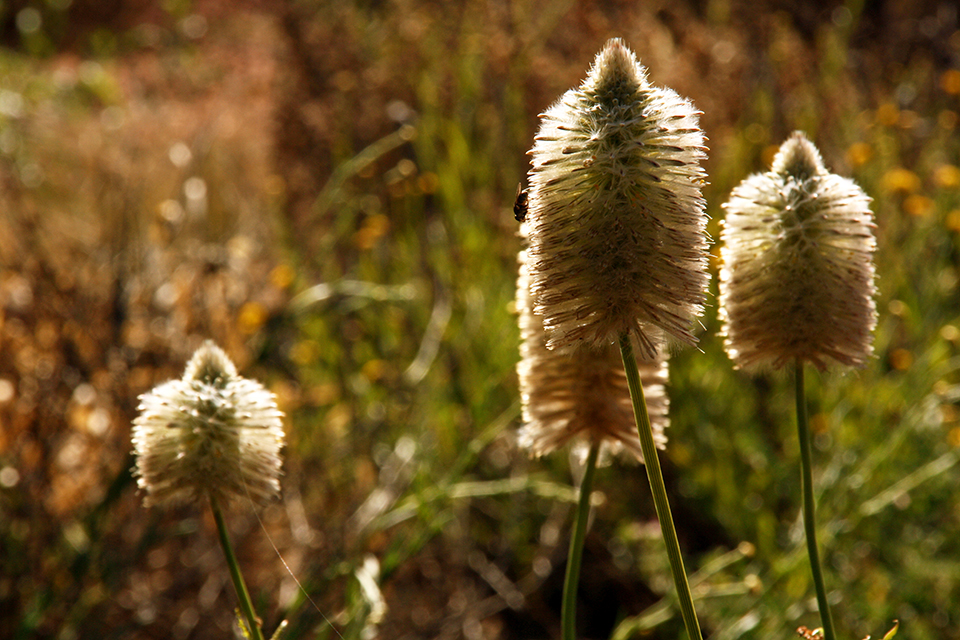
point(568, 611)
point(809, 508)
point(246, 605)
point(659, 490)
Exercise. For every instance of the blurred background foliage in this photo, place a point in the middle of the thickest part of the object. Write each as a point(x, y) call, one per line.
point(325, 190)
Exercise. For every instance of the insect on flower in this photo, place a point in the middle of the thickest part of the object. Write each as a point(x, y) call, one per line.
point(520, 204)
point(617, 226)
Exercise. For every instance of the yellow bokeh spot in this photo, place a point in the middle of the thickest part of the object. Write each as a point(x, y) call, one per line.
point(859, 153)
point(251, 317)
point(898, 308)
point(374, 227)
point(281, 276)
point(428, 182)
point(917, 205)
point(305, 352)
point(950, 333)
point(287, 395)
point(406, 167)
point(901, 359)
point(338, 418)
point(900, 179)
point(950, 81)
point(947, 176)
point(324, 394)
point(888, 114)
point(753, 582)
point(374, 370)
point(953, 437)
point(953, 220)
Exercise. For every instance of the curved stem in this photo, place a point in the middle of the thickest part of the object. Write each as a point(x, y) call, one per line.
point(659, 490)
point(246, 604)
point(809, 508)
point(568, 612)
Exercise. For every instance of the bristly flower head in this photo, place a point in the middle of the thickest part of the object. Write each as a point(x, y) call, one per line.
point(797, 280)
point(581, 395)
point(615, 212)
point(211, 433)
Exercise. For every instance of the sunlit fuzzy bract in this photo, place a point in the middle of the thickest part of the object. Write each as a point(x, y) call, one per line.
point(580, 395)
point(211, 433)
point(797, 281)
point(615, 211)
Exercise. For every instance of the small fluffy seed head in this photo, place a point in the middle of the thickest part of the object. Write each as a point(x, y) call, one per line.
point(797, 280)
point(581, 395)
point(210, 433)
point(615, 212)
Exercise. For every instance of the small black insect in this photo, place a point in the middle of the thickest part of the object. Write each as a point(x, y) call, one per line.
point(520, 204)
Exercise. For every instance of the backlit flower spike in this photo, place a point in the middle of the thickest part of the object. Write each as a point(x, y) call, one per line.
point(210, 433)
point(797, 280)
point(580, 395)
point(615, 212)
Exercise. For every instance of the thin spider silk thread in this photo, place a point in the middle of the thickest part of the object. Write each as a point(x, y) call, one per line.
point(285, 565)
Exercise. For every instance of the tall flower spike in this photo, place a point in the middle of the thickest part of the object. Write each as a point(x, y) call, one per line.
point(797, 280)
point(580, 395)
point(615, 211)
point(211, 433)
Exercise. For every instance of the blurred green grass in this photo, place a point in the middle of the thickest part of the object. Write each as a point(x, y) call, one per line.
point(189, 172)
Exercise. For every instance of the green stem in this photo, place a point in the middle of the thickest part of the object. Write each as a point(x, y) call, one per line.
point(568, 612)
point(809, 515)
point(246, 605)
point(659, 490)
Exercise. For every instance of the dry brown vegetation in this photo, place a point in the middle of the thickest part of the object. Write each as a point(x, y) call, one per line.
point(183, 171)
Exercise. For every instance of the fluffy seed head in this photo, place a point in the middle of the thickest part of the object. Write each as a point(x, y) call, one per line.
point(797, 280)
point(581, 395)
point(615, 212)
point(210, 433)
